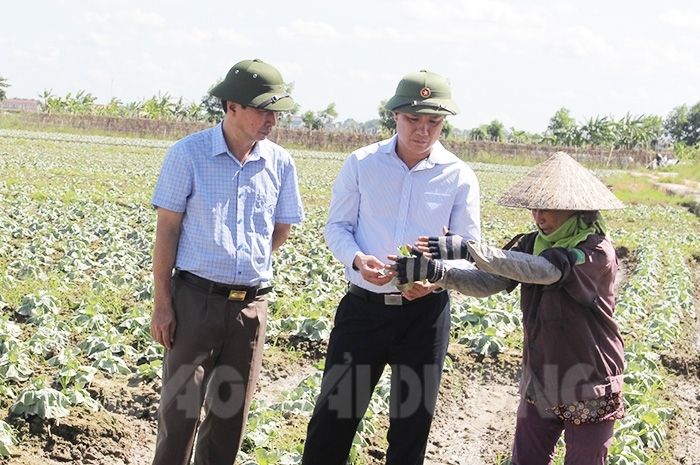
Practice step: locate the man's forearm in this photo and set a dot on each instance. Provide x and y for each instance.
(164, 254)
(163, 264)
(280, 235)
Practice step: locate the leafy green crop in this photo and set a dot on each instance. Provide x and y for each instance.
(76, 287)
(7, 439)
(40, 400)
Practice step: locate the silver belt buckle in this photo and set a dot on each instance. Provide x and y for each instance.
(393, 299)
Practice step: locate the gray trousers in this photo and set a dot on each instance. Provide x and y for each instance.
(215, 361)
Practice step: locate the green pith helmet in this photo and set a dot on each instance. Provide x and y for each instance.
(423, 93)
(255, 83)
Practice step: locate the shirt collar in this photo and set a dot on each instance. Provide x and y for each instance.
(438, 155)
(218, 143)
(219, 147)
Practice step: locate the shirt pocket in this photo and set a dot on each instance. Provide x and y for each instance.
(438, 204)
(264, 204)
(264, 214)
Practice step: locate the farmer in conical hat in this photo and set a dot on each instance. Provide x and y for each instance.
(572, 352)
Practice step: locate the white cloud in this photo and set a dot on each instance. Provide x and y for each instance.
(150, 67)
(584, 42)
(478, 11)
(232, 37)
(657, 54)
(119, 18)
(383, 34)
(308, 30)
(185, 37)
(681, 19)
(678, 56)
(92, 17)
(99, 75)
(371, 76)
(44, 55)
(473, 21)
(565, 53)
(290, 70)
(103, 39)
(565, 8)
(140, 17)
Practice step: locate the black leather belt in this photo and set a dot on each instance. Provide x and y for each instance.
(236, 293)
(393, 298)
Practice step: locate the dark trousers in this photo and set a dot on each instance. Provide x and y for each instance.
(216, 358)
(366, 337)
(536, 436)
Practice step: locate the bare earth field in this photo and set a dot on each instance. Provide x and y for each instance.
(475, 418)
(475, 415)
(473, 425)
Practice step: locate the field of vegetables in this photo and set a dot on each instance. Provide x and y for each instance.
(79, 374)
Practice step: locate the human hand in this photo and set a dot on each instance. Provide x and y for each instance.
(163, 324)
(418, 290)
(416, 267)
(372, 269)
(451, 246)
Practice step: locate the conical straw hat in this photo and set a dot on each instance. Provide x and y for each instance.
(560, 183)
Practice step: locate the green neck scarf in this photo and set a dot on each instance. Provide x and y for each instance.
(569, 234)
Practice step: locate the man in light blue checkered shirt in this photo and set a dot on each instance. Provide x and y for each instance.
(226, 198)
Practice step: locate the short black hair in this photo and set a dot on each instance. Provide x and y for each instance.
(225, 107)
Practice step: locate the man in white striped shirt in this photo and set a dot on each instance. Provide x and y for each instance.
(386, 195)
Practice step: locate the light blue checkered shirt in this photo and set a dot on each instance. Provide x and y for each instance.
(230, 209)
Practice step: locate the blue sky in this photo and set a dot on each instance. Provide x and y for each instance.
(515, 61)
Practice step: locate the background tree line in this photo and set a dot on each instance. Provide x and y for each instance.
(681, 128)
(3, 88)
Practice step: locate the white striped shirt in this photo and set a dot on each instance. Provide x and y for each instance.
(378, 204)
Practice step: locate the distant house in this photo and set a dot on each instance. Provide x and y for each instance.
(21, 104)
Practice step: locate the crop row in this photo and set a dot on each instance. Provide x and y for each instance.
(76, 288)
